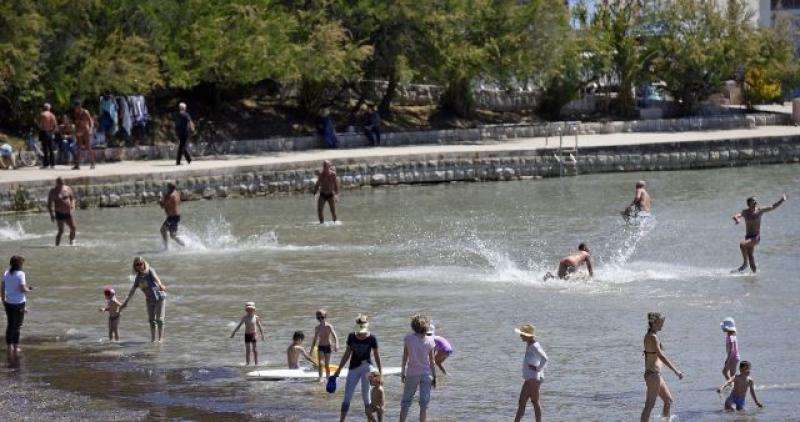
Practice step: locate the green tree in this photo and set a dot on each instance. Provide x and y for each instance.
(21, 33)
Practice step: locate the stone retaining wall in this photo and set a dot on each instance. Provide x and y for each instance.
(114, 191)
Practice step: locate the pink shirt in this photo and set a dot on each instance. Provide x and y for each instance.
(419, 352)
(732, 347)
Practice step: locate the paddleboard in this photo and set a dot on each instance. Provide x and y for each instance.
(303, 374)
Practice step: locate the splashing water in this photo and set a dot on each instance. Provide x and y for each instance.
(9, 232)
(217, 234)
(626, 240)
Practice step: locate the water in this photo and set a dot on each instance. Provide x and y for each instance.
(470, 255)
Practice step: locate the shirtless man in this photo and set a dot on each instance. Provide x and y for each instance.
(569, 264)
(752, 220)
(63, 199)
(640, 206)
(328, 187)
(84, 125)
(47, 129)
(171, 202)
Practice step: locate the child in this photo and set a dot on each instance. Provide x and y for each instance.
(443, 348)
(376, 406)
(113, 307)
(322, 339)
(741, 383)
(250, 321)
(731, 348)
(295, 349)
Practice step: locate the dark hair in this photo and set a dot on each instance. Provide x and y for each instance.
(652, 317)
(582, 246)
(751, 199)
(15, 264)
(744, 364)
(298, 335)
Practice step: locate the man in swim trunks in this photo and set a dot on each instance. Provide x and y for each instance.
(84, 126)
(752, 220)
(640, 206)
(328, 187)
(171, 202)
(569, 264)
(60, 203)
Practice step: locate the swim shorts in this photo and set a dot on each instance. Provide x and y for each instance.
(63, 216)
(249, 337)
(756, 237)
(171, 223)
(325, 350)
(326, 196)
(738, 401)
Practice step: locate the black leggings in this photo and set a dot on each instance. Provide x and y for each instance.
(183, 149)
(15, 314)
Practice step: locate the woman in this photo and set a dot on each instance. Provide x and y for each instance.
(359, 345)
(154, 292)
(12, 292)
(653, 359)
(532, 372)
(417, 369)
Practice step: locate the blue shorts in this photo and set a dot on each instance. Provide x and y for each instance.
(738, 401)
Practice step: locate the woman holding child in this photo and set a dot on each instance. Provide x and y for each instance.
(359, 345)
(155, 294)
(417, 369)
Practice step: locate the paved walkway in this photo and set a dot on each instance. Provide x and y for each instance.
(30, 174)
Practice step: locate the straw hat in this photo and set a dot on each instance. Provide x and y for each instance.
(362, 325)
(527, 330)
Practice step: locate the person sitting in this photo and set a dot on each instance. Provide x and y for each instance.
(7, 159)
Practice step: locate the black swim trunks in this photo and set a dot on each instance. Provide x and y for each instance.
(325, 350)
(63, 216)
(249, 337)
(324, 195)
(171, 223)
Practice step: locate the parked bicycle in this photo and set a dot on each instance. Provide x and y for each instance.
(30, 154)
(211, 140)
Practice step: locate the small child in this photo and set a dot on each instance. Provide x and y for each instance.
(295, 350)
(443, 348)
(322, 339)
(114, 308)
(251, 321)
(376, 405)
(741, 383)
(731, 348)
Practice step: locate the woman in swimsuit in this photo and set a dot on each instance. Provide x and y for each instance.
(654, 358)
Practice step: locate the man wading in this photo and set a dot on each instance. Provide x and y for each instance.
(63, 199)
(328, 188)
(171, 202)
(752, 237)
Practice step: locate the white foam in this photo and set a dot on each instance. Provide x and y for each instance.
(16, 231)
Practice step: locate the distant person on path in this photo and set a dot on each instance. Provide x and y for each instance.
(113, 307)
(752, 219)
(67, 132)
(171, 202)
(443, 348)
(251, 322)
(569, 264)
(731, 348)
(640, 206)
(328, 130)
(533, 365)
(295, 350)
(84, 125)
(654, 359)
(184, 126)
(155, 295)
(372, 128)
(741, 383)
(360, 343)
(47, 124)
(322, 339)
(417, 369)
(328, 187)
(60, 204)
(13, 293)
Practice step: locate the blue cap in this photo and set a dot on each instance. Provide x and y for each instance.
(331, 387)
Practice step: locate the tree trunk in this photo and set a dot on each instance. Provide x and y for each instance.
(458, 98)
(385, 107)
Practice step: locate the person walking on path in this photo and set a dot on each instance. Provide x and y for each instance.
(155, 294)
(373, 126)
(532, 372)
(171, 202)
(47, 124)
(13, 293)
(360, 343)
(184, 126)
(84, 125)
(417, 368)
(752, 237)
(654, 359)
(328, 187)
(60, 204)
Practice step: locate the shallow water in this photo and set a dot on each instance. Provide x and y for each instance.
(470, 255)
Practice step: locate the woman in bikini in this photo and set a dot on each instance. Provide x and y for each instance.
(654, 359)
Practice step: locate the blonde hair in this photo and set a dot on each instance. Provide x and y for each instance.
(377, 376)
(322, 313)
(420, 324)
(137, 260)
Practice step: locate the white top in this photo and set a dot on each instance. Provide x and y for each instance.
(14, 284)
(419, 352)
(534, 355)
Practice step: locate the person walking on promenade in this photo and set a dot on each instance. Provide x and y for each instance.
(640, 206)
(373, 126)
(532, 372)
(60, 204)
(13, 293)
(417, 368)
(84, 125)
(654, 359)
(47, 124)
(328, 187)
(155, 294)
(184, 127)
(171, 202)
(752, 237)
(360, 343)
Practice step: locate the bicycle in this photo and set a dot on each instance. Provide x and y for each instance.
(212, 141)
(30, 155)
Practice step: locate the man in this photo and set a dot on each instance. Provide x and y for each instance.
(84, 125)
(373, 126)
(752, 237)
(328, 187)
(171, 202)
(640, 206)
(64, 200)
(569, 264)
(184, 126)
(47, 128)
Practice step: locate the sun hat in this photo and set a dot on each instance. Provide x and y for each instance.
(728, 324)
(331, 386)
(250, 305)
(362, 328)
(527, 330)
(431, 330)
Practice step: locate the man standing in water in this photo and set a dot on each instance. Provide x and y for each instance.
(63, 200)
(752, 237)
(640, 206)
(328, 187)
(171, 202)
(569, 264)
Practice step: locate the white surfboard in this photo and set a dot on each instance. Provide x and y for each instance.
(303, 374)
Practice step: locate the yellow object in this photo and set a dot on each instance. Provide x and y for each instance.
(314, 354)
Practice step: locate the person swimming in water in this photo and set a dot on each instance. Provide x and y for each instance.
(569, 264)
(752, 237)
(640, 206)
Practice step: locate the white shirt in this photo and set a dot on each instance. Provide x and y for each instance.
(14, 284)
(534, 355)
(419, 352)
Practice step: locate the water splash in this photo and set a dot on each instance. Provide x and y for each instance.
(11, 232)
(625, 241)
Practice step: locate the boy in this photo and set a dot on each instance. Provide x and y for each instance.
(296, 349)
(113, 307)
(251, 321)
(741, 383)
(376, 406)
(569, 264)
(322, 339)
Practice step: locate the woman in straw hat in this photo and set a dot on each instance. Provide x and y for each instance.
(654, 358)
(359, 345)
(155, 295)
(532, 371)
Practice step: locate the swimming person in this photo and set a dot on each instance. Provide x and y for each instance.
(251, 321)
(60, 204)
(113, 307)
(359, 345)
(640, 206)
(171, 202)
(569, 264)
(328, 187)
(295, 350)
(155, 294)
(752, 237)
(741, 383)
(13, 292)
(731, 348)
(322, 339)
(417, 370)
(533, 365)
(654, 358)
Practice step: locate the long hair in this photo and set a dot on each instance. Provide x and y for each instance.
(137, 260)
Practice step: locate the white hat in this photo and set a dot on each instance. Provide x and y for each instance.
(250, 305)
(728, 324)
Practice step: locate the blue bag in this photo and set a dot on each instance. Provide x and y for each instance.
(331, 387)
